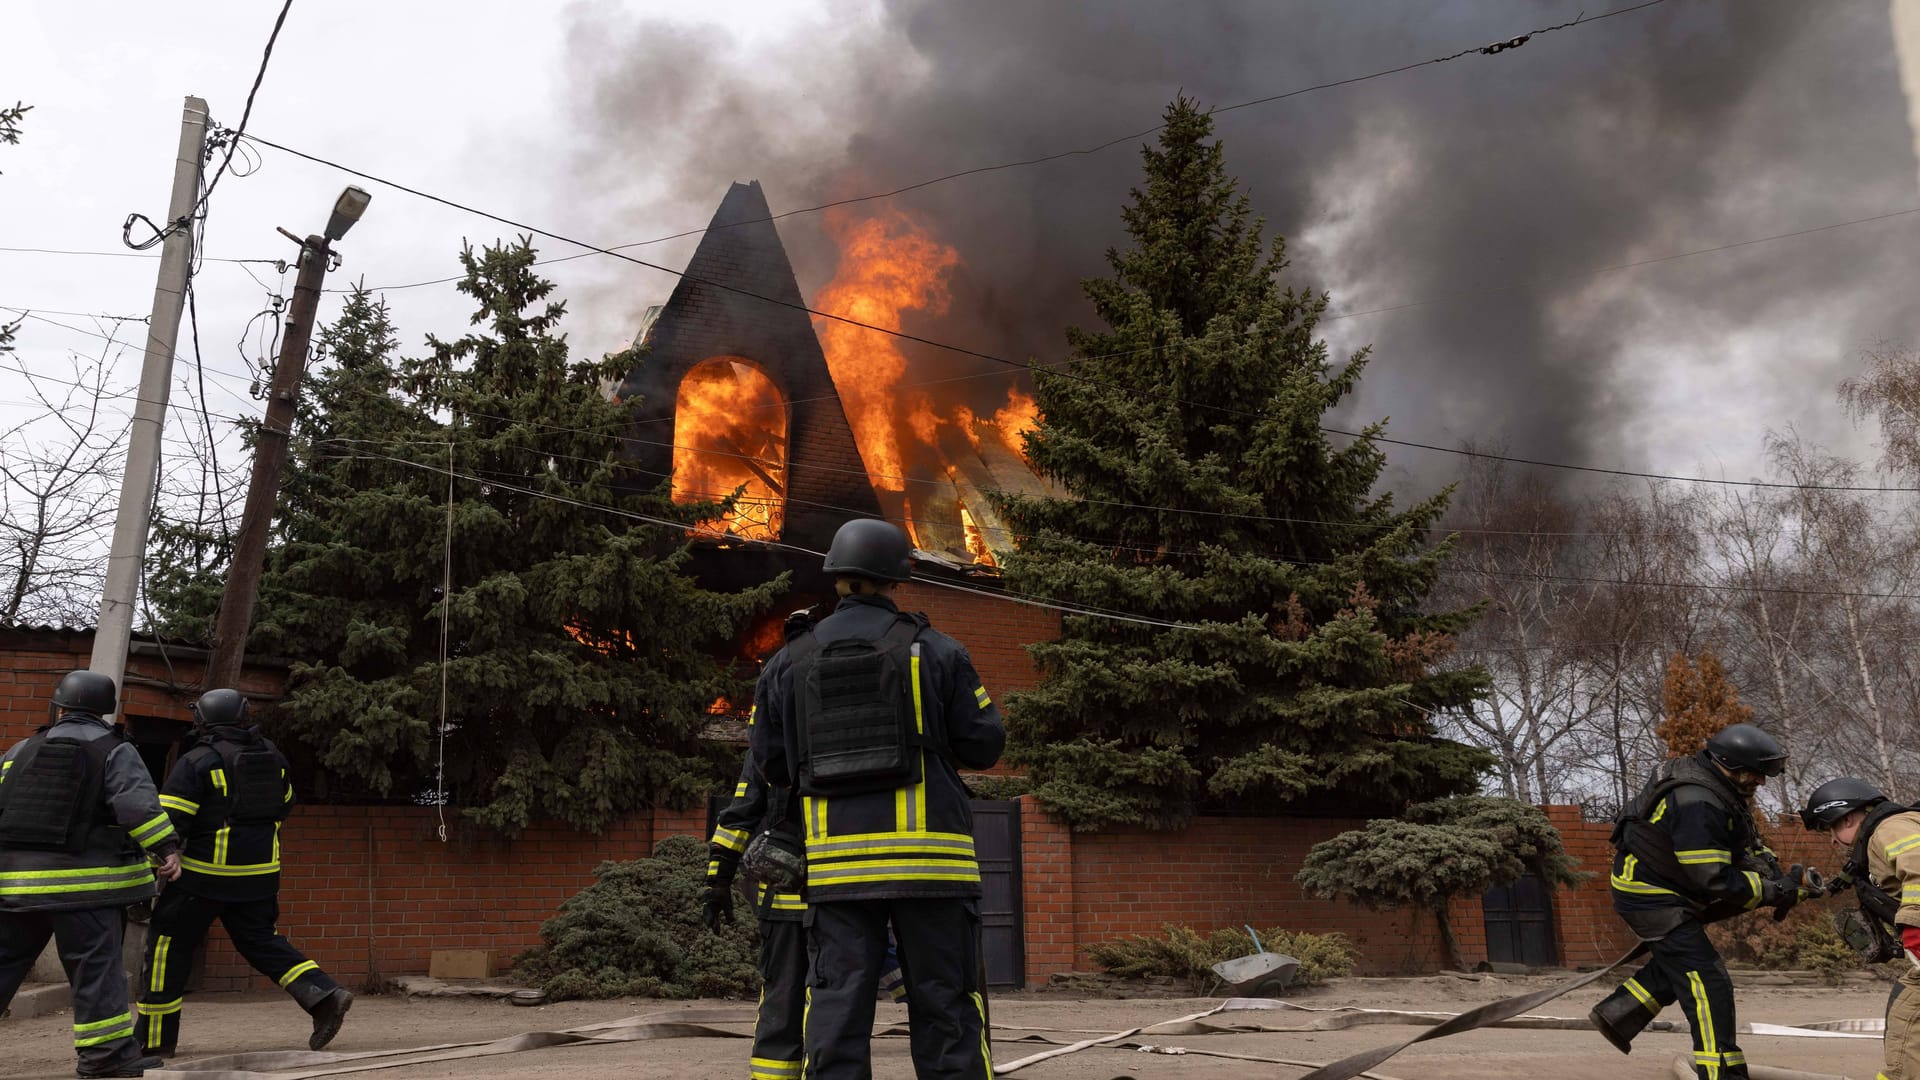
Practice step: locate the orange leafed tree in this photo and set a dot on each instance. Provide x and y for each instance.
(1699, 702)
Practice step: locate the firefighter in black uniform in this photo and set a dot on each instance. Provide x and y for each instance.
(1688, 855)
(79, 822)
(868, 716)
(228, 796)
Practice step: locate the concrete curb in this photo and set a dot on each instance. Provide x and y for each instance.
(44, 1000)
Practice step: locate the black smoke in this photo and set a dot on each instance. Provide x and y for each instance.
(1486, 191)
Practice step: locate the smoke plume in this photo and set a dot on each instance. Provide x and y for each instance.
(1477, 202)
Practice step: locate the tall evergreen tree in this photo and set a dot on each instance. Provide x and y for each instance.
(1204, 493)
(581, 657)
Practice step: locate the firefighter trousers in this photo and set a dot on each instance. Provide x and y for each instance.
(939, 944)
(1903, 1028)
(89, 942)
(1685, 967)
(180, 921)
(778, 1032)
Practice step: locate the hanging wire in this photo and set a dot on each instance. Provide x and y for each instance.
(446, 619)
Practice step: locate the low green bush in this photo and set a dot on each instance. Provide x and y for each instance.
(636, 932)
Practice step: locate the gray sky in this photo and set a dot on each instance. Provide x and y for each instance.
(1506, 179)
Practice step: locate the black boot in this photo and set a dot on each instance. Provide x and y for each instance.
(1620, 1017)
(135, 1067)
(328, 1015)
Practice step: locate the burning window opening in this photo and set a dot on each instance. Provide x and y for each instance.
(730, 435)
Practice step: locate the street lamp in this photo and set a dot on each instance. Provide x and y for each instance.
(347, 210)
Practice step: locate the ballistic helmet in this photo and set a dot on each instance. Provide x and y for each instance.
(870, 548)
(1743, 746)
(85, 692)
(221, 708)
(1836, 799)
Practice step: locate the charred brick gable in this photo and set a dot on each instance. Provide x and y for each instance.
(826, 479)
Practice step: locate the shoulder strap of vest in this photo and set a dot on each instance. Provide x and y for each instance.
(1874, 900)
(1652, 846)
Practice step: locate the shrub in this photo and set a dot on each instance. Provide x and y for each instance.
(636, 932)
(1183, 954)
(1806, 940)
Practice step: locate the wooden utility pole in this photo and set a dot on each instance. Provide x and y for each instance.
(269, 454)
(115, 629)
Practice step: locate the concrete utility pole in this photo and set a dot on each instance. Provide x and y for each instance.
(270, 448)
(115, 628)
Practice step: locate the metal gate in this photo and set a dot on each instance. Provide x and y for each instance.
(996, 843)
(1519, 919)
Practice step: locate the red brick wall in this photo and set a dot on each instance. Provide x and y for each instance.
(995, 631)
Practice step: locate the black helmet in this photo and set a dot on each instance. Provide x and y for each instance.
(1836, 799)
(221, 708)
(1743, 746)
(870, 548)
(85, 692)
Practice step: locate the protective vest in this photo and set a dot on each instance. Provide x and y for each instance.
(857, 713)
(53, 797)
(1635, 833)
(255, 785)
(1874, 900)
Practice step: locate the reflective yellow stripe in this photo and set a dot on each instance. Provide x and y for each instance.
(1659, 811)
(890, 870)
(222, 870)
(1901, 847)
(276, 843)
(164, 1008)
(298, 970)
(772, 1069)
(220, 839)
(1753, 882)
(731, 839)
(154, 831)
(220, 780)
(740, 790)
(162, 948)
(1633, 987)
(785, 901)
(1639, 888)
(986, 1035)
(103, 1031)
(1910, 891)
(1703, 856)
(11, 884)
(1703, 1030)
(814, 809)
(84, 871)
(175, 802)
(980, 695)
(753, 713)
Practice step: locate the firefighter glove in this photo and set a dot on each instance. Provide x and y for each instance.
(718, 905)
(1791, 889)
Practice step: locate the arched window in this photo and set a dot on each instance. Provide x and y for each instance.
(730, 434)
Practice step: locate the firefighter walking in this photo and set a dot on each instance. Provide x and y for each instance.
(227, 796)
(868, 716)
(1688, 854)
(79, 823)
(1883, 865)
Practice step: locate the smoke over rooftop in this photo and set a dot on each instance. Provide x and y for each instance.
(1474, 199)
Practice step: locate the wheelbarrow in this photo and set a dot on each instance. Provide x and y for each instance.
(1261, 974)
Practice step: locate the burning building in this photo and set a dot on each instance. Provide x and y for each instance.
(812, 421)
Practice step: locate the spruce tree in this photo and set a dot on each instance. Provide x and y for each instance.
(1202, 491)
(581, 656)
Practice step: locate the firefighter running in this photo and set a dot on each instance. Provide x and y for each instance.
(1883, 866)
(79, 823)
(1689, 854)
(228, 796)
(869, 715)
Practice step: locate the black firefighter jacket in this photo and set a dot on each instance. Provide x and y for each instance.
(913, 841)
(224, 859)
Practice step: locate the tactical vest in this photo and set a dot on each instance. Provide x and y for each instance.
(858, 711)
(256, 782)
(53, 797)
(1874, 900)
(1633, 833)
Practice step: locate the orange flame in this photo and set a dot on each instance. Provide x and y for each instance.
(1020, 415)
(730, 434)
(976, 540)
(889, 264)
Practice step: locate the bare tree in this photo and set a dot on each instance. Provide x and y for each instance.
(60, 473)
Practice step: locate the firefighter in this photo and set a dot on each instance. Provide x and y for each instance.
(79, 824)
(228, 795)
(868, 716)
(1883, 866)
(1688, 854)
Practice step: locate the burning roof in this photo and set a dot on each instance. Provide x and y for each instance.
(816, 423)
